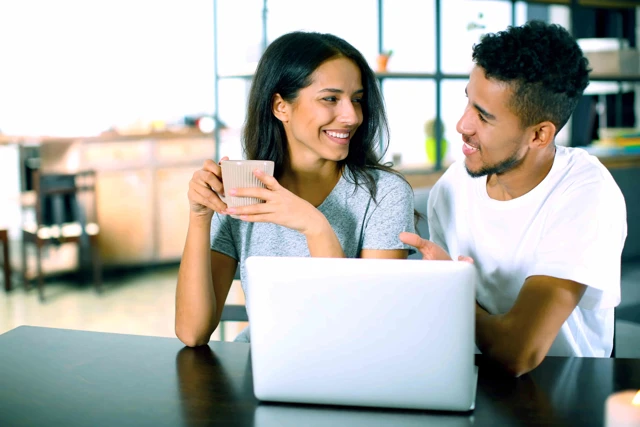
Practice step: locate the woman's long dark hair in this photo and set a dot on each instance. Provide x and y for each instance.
(286, 67)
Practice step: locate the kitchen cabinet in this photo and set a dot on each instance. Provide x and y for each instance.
(141, 189)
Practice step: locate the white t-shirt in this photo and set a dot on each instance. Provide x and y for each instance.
(571, 226)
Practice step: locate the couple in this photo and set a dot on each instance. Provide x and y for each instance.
(544, 224)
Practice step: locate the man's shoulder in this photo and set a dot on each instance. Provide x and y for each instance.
(582, 172)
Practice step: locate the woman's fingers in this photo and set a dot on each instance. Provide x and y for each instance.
(208, 179)
(270, 182)
(266, 194)
(211, 166)
(206, 197)
(255, 192)
(257, 209)
(268, 217)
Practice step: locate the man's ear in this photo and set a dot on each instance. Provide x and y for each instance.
(543, 135)
(280, 108)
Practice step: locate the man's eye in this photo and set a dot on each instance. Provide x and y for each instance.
(482, 119)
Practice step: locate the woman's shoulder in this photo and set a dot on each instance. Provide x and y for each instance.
(390, 179)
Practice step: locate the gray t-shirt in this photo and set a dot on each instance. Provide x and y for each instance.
(358, 221)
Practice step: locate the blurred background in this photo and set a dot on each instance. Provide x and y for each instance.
(107, 108)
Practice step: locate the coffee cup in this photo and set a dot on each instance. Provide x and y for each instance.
(239, 174)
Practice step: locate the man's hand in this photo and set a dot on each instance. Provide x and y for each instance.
(428, 249)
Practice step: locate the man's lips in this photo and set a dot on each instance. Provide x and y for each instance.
(467, 141)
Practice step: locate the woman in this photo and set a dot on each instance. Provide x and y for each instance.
(315, 110)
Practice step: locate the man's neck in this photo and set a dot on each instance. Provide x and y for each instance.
(523, 178)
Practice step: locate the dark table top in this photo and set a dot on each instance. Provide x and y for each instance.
(74, 378)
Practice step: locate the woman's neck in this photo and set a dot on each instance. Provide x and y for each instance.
(312, 184)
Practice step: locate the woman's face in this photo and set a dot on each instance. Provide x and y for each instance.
(326, 114)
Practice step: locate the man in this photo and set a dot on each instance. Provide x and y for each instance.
(544, 224)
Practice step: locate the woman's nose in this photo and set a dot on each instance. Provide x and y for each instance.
(349, 114)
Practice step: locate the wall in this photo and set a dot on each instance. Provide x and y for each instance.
(9, 190)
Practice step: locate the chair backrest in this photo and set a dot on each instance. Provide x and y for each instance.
(62, 198)
(58, 197)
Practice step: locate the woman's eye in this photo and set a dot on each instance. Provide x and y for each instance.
(330, 99)
(357, 100)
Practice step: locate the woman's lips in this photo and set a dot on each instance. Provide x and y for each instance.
(339, 137)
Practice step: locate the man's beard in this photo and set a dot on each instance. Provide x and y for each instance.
(504, 166)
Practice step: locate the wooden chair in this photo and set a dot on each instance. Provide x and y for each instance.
(232, 313)
(6, 265)
(65, 212)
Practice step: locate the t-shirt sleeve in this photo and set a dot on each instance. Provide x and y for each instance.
(392, 214)
(582, 241)
(222, 236)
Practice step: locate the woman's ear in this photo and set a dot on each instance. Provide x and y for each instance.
(280, 108)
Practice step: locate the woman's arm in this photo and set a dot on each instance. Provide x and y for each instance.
(205, 277)
(387, 253)
(204, 280)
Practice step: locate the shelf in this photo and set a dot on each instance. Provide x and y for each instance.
(445, 76)
(592, 3)
(386, 75)
(405, 75)
(248, 76)
(618, 78)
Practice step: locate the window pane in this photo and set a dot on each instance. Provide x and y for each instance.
(73, 67)
(409, 30)
(410, 104)
(356, 21)
(232, 102)
(557, 14)
(452, 107)
(463, 22)
(239, 31)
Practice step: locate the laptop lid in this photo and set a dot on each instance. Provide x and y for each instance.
(364, 332)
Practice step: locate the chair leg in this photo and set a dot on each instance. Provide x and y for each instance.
(39, 266)
(25, 282)
(97, 264)
(6, 265)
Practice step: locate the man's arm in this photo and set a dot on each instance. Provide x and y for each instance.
(520, 339)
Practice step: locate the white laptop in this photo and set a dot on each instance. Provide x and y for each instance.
(363, 332)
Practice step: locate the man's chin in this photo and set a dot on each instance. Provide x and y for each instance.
(475, 173)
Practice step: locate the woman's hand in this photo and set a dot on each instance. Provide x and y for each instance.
(281, 207)
(204, 187)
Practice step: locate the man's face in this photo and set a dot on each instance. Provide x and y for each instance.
(493, 140)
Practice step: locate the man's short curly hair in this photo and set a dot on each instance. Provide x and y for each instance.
(544, 66)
